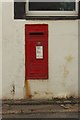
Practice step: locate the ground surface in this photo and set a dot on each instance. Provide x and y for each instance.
(42, 115)
(40, 110)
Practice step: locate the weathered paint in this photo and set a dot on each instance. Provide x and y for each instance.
(63, 59)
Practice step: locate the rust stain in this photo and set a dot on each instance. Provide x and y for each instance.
(27, 90)
(66, 72)
(69, 58)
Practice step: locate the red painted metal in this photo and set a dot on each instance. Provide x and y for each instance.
(36, 58)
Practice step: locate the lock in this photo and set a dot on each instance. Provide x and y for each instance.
(38, 43)
(36, 51)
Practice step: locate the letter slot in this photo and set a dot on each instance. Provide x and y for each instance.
(36, 33)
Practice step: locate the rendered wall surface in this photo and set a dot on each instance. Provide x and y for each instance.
(0, 51)
(62, 55)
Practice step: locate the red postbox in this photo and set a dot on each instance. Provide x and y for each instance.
(36, 51)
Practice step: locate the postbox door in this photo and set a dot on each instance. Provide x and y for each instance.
(36, 51)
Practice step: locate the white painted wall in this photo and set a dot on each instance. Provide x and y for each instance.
(0, 51)
(63, 58)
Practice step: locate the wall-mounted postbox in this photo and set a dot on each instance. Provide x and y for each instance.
(36, 51)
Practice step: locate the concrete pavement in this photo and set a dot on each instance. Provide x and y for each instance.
(40, 108)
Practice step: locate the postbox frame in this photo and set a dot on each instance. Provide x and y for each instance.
(41, 62)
